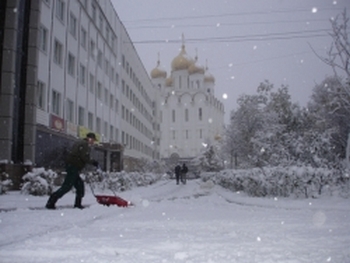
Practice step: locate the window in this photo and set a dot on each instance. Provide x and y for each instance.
(40, 95)
(106, 66)
(117, 79)
(43, 38)
(127, 115)
(105, 129)
(70, 111)
(186, 114)
(82, 75)
(200, 134)
(90, 121)
(111, 132)
(92, 49)
(123, 61)
(83, 35)
(99, 58)
(174, 135)
(58, 51)
(116, 105)
(60, 5)
(71, 65)
(187, 134)
(92, 83)
(93, 12)
(116, 135)
(101, 23)
(200, 114)
(98, 125)
(81, 115)
(106, 96)
(112, 74)
(73, 25)
(107, 34)
(173, 115)
(112, 42)
(56, 102)
(111, 101)
(99, 90)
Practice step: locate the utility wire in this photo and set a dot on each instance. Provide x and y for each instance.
(226, 15)
(243, 38)
(225, 24)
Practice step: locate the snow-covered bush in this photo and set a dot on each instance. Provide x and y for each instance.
(38, 182)
(120, 181)
(5, 183)
(298, 182)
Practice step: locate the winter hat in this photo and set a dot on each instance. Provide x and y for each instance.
(91, 135)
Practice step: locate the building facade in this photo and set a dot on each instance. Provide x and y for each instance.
(69, 67)
(191, 116)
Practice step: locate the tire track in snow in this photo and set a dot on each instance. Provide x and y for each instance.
(57, 228)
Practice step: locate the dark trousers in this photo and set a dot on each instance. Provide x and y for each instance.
(177, 175)
(183, 177)
(72, 179)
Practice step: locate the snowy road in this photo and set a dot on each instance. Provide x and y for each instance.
(197, 222)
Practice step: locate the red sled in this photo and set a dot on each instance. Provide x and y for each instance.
(112, 200)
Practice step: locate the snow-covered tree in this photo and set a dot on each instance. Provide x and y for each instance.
(338, 55)
(244, 123)
(330, 114)
(264, 127)
(208, 160)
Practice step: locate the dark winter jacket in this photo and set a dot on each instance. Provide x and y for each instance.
(184, 169)
(177, 169)
(79, 155)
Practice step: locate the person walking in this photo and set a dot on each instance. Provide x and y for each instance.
(177, 173)
(75, 161)
(184, 171)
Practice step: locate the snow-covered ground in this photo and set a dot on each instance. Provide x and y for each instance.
(197, 222)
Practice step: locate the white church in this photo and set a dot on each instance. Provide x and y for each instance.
(191, 117)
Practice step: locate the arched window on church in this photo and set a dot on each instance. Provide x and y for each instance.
(186, 114)
(198, 84)
(200, 116)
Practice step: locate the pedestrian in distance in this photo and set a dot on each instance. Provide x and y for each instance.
(184, 171)
(75, 161)
(177, 173)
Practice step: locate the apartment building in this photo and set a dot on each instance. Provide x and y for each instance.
(69, 67)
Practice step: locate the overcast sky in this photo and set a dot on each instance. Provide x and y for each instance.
(244, 42)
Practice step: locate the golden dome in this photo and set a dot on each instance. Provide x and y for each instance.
(181, 61)
(158, 72)
(208, 77)
(169, 82)
(195, 68)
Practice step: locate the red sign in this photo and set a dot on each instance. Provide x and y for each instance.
(57, 123)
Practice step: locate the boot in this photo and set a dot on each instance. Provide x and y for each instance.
(51, 202)
(77, 203)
